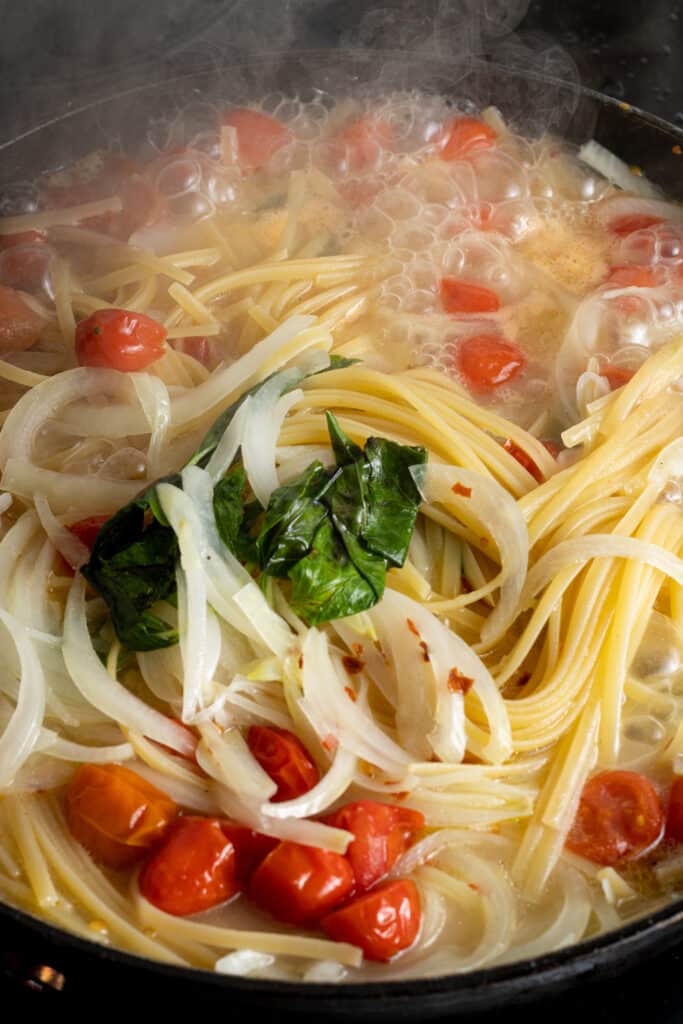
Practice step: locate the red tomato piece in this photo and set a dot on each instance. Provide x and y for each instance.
(459, 296)
(631, 222)
(198, 348)
(524, 459)
(554, 447)
(674, 814)
(464, 135)
(87, 529)
(488, 360)
(630, 275)
(259, 136)
(141, 204)
(116, 814)
(193, 870)
(382, 922)
(119, 339)
(619, 817)
(616, 376)
(20, 326)
(284, 757)
(382, 833)
(21, 238)
(250, 848)
(25, 266)
(361, 143)
(299, 884)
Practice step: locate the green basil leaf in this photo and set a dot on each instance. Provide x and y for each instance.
(325, 583)
(393, 498)
(292, 518)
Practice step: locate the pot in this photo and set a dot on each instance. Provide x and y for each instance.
(38, 955)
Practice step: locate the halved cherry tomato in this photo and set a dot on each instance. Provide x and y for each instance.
(87, 529)
(459, 296)
(119, 339)
(21, 238)
(524, 459)
(488, 360)
(631, 222)
(198, 348)
(250, 848)
(285, 758)
(20, 326)
(382, 922)
(619, 816)
(116, 814)
(360, 143)
(259, 136)
(630, 275)
(382, 833)
(464, 135)
(193, 870)
(25, 266)
(674, 814)
(299, 884)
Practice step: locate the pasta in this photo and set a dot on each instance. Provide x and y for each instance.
(341, 535)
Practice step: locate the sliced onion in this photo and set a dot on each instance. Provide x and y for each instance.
(156, 404)
(23, 729)
(615, 170)
(66, 750)
(499, 514)
(227, 758)
(310, 833)
(243, 962)
(229, 444)
(107, 694)
(262, 426)
(67, 543)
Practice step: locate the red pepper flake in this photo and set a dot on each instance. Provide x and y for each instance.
(402, 795)
(330, 743)
(464, 492)
(412, 627)
(458, 683)
(352, 665)
(524, 459)
(474, 887)
(554, 447)
(484, 541)
(357, 649)
(523, 679)
(301, 661)
(425, 651)
(351, 694)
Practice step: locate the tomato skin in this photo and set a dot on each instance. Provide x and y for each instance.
(21, 238)
(20, 326)
(382, 922)
(360, 143)
(25, 266)
(119, 339)
(259, 136)
(283, 756)
(116, 814)
(674, 814)
(619, 816)
(299, 884)
(464, 135)
(250, 848)
(193, 870)
(630, 275)
(459, 296)
(382, 833)
(632, 222)
(616, 376)
(488, 360)
(524, 459)
(87, 529)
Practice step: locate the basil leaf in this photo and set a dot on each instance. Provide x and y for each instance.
(325, 583)
(345, 450)
(393, 498)
(292, 518)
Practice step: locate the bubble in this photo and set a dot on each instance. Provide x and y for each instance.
(191, 206)
(645, 729)
(398, 204)
(125, 464)
(178, 177)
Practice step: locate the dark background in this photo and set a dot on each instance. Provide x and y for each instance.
(57, 55)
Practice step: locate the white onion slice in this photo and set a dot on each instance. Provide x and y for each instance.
(67, 543)
(333, 784)
(107, 694)
(23, 729)
(262, 425)
(156, 404)
(615, 170)
(297, 830)
(227, 758)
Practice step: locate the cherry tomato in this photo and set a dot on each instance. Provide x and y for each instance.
(198, 348)
(20, 326)
(382, 922)
(674, 814)
(119, 339)
(619, 816)
(21, 238)
(87, 529)
(193, 870)
(524, 459)
(25, 266)
(630, 275)
(360, 144)
(115, 814)
(487, 360)
(284, 757)
(616, 376)
(250, 848)
(382, 833)
(464, 135)
(631, 222)
(298, 884)
(467, 297)
(259, 136)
